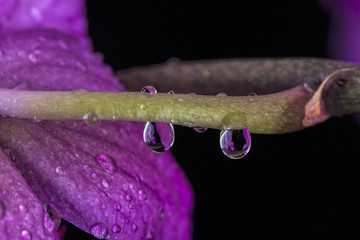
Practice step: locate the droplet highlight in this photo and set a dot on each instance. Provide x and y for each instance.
(142, 195)
(200, 129)
(26, 235)
(106, 162)
(235, 144)
(23, 208)
(134, 227)
(91, 119)
(99, 230)
(117, 206)
(59, 171)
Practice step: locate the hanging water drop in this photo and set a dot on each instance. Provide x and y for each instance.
(235, 144)
(200, 129)
(91, 118)
(99, 230)
(159, 137)
(105, 183)
(106, 162)
(59, 171)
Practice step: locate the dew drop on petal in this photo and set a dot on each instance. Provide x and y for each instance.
(117, 206)
(106, 162)
(171, 92)
(252, 94)
(235, 144)
(2, 209)
(131, 206)
(159, 137)
(134, 227)
(115, 228)
(91, 119)
(142, 195)
(26, 235)
(59, 171)
(128, 197)
(86, 167)
(23, 208)
(94, 176)
(105, 183)
(79, 91)
(149, 235)
(149, 89)
(99, 230)
(200, 129)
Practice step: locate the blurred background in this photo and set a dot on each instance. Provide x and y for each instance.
(294, 186)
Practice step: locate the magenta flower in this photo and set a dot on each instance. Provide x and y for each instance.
(101, 178)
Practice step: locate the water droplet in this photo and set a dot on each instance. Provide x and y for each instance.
(171, 92)
(94, 176)
(99, 230)
(2, 209)
(79, 91)
(26, 235)
(32, 57)
(105, 183)
(51, 218)
(149, 235)
(134, 227)
(235, 144)
(149, 89)
(117, 206)
(131, 206)
(142, 195)
(128, 197)
(221, 95)
(200, 129)
(23, 208)
(106, 162)
(115, 228)
(252, 94)
(87, 168)
(159, 137)
(59, 171)
(91, 118)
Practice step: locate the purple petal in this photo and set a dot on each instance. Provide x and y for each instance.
(65, 15)
(22, 215)
(102, 178)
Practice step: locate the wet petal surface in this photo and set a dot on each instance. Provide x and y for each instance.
(22, 215)
(101, 178)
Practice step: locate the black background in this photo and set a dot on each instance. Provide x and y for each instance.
(295, 186)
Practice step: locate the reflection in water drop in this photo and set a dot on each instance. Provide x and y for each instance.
(235, 144)
(134, 227)
(91, 118)
(159, 137)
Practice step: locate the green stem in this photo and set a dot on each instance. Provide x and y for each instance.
(274, 113)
